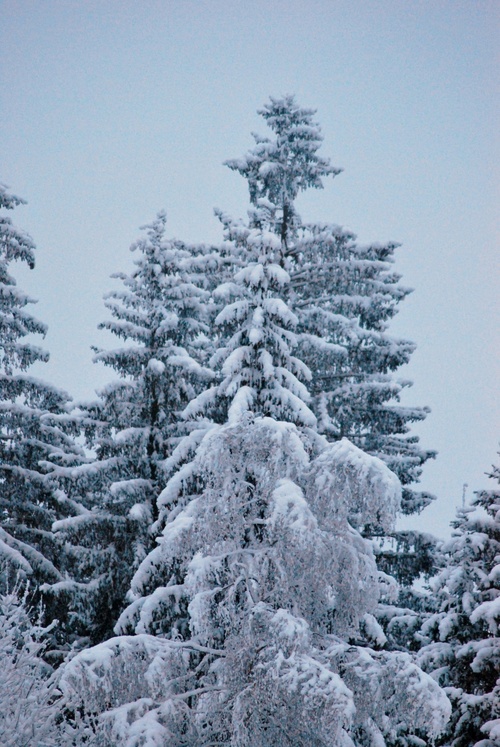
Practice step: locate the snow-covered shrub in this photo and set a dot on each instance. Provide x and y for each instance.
(28, 687)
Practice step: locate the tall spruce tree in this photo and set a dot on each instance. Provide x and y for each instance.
(461, 640)
(344, 295)
(36, 430)
(134, 425)
(246, 619)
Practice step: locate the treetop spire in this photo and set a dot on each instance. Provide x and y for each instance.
(278, 169)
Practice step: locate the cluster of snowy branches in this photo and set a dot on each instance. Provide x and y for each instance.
(214, 534)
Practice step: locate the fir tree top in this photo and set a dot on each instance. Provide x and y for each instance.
(278, 169)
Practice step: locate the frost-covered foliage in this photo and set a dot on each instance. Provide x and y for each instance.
(247, 616)
(28, 693)
(134, 425)
(408, 554)
(346, 295)
(343, 295)
(462, 639)
(258, 371)
(278, 169)
(36, 430)
(252, 622)
(409, 561)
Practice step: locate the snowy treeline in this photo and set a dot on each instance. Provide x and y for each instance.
(205, 554)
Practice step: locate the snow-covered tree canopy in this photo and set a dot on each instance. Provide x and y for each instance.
(216, 526)
(259, 372)
(343, 296)
(246, 613)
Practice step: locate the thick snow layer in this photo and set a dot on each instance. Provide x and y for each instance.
(290, 508)
(156, 366)
(373, 630)
(348, 483)
(490, 613)
(14, 556)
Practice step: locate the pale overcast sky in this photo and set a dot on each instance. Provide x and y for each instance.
(113, 110)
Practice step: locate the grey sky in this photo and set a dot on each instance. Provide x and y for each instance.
(113, 110)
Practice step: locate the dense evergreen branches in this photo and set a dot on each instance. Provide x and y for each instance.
(36, 429)
(209, 551)
(134, 425)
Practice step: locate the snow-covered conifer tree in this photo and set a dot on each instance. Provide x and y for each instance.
(161, 314)
(344, 295)
(462, 639)
(36, 430)
(134, 425)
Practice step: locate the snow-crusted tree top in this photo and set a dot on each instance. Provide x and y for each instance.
(278, 169)
(163, 292)
(159, 312)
